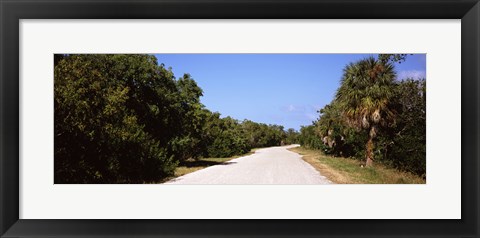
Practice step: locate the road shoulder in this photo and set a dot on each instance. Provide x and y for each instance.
(349, 171)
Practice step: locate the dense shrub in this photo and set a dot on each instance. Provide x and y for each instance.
(406, 141)
(291, 136)
(263, 135)
(309, 138)
(114, 117)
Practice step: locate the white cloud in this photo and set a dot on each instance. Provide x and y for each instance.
(414, 74)
(293, 108)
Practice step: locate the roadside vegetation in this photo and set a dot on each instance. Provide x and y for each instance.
(127, 119)
(374, 118)
(347, 171)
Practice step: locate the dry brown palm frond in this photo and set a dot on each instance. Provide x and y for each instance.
(365, 122)
(376, 116)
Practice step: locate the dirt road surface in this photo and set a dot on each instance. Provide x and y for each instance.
(273, 165)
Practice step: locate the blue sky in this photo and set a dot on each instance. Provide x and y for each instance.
(283, 89)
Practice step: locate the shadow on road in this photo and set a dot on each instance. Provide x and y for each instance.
(203, 163)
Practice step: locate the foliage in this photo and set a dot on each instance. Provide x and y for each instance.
(406, 147)
(225, 137)
(291, 136)
(365, 96)
(114, 116)
(345, 125)
(309, 138)
(263, 135)
(187, 139)
(347, 171)
(393, 58)
(126, 119)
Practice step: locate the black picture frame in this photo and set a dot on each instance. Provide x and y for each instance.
(12, 11)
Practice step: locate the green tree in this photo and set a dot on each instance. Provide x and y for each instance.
(253, 133)
(365, 95)
(187, 143)
(406, 145)
(226, 137)
(330, 126)
(291, 136)
(393, 58)
(308, 138)
(114, 117)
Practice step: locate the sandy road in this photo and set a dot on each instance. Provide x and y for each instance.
(274, 165)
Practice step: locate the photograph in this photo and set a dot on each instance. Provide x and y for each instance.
(240, 118)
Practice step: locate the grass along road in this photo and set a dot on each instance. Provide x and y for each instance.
(349, 171)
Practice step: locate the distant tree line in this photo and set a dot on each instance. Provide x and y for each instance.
(126, 119)
(374, 117)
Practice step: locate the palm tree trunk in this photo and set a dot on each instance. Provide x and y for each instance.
(369, 154)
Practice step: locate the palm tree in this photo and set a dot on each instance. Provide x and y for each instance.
(364, 97)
